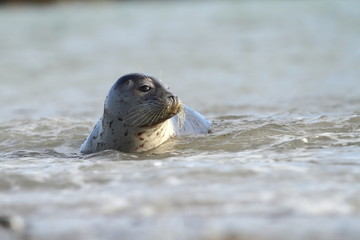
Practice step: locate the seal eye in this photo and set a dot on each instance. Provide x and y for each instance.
(144, 88)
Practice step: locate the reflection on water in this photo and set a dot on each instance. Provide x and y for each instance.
(279, 80)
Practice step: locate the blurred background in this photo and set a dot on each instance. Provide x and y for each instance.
(224, 57)
(52, 1)
(279, 79)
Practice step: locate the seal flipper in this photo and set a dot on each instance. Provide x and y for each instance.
(89, 145)
(194, 123)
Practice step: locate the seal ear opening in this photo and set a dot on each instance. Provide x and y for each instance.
(122, 82)
(129, 83)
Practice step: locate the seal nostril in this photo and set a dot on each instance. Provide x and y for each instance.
(173, 98)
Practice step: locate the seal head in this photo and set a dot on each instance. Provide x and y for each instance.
(141, 101)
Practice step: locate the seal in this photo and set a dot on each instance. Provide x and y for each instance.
(140, 113)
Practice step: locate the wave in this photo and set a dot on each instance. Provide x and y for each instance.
(61, 138)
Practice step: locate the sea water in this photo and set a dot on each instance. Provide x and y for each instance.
(280, 81)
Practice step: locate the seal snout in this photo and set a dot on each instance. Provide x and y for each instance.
(175, 105)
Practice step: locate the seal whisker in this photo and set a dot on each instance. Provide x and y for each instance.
(157, 115)
(139, 109)
(139, 118)
(145, 116)
(153, 115)
(135, 113)
(134, 116)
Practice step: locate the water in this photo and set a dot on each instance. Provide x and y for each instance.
(279, 80)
